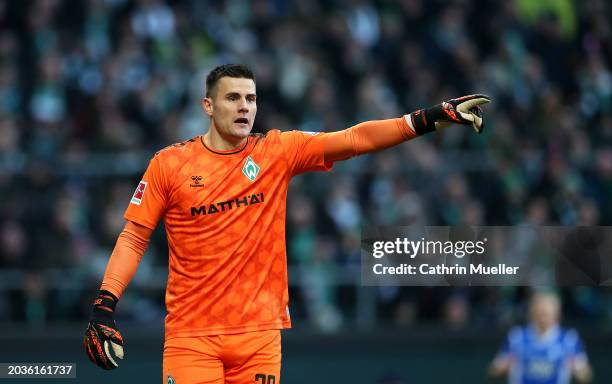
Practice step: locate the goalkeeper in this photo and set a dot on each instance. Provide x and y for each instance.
(222, 197)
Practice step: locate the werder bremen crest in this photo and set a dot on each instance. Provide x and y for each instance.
(170, 380)
(250, 169)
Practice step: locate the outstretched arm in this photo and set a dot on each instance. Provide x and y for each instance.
(376, 135)
(315, 151)
(367, 137)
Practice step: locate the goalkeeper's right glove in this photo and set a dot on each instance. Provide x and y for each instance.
(463, 110)
(103, 342)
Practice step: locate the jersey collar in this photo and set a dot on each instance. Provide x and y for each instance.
(225, 153)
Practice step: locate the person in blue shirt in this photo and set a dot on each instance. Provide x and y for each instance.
(542, 352)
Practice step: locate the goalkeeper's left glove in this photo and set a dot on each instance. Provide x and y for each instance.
(103, 342)
(463, 110)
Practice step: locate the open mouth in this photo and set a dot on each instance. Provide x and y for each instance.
(241, 120)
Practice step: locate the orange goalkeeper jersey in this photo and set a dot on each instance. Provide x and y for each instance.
(224, 214)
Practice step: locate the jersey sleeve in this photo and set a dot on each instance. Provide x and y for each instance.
(511, 344)
(318, 151)
(305, 151)
(150, 198)
(574, 344)
(129, 249)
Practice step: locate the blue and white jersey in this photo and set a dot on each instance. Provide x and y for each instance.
(542, 359)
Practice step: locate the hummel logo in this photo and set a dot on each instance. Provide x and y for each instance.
(196, 181)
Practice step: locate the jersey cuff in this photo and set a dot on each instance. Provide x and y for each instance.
(141, 221)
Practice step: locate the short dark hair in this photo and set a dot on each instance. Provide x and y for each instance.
(230, 70)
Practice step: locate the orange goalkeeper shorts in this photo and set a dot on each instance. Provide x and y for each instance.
(244, 358)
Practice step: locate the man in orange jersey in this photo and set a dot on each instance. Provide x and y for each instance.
(222, 197)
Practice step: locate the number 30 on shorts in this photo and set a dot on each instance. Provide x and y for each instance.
(263, 379)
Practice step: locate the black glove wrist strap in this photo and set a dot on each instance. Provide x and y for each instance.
(424, 120)
(104, 307)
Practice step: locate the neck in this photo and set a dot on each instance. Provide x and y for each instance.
(543, 329)
(215, 141)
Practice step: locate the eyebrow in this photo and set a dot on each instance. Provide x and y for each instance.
(238, 94)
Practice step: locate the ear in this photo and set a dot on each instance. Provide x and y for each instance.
(207, 106)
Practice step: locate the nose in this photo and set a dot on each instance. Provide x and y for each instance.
(243, 106)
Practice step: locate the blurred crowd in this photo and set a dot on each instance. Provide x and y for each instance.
(90, 90)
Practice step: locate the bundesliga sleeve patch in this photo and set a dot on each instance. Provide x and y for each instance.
(139, 193)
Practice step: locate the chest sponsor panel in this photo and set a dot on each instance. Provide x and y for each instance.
(237, 186)
(227, 205)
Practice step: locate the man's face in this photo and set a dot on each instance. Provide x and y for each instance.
(232, 107)
(545, 311)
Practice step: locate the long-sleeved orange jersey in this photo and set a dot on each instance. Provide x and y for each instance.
(224, 214)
